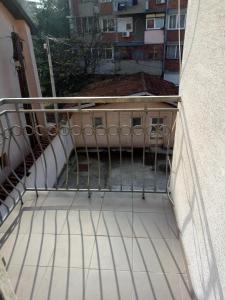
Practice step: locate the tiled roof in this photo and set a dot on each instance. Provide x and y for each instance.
(126, 85)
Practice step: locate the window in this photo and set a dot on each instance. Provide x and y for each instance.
(105, 1)
(108, 53)
(154, 23)
(98, 123)
(136, 122)
(172, 51)
(89, 24)
(108, 25)
(157, 126)
(176, 22)
(160, 1)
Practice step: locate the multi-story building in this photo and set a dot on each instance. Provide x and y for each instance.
(138, 35)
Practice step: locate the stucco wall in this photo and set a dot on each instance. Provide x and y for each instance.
(198, 181)
(9, 83)
(113, 120)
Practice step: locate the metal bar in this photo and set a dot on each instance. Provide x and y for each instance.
(132, 152)
(122, 99)
(87, 155)
(94, 190)
(120, 147)
(156, 153)
(75, 110)
(64, 150)
(97, 148)
(75, 150)
(36, 129)
(143, 157)
(109, 151)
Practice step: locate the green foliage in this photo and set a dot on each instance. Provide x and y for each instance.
(73, 58)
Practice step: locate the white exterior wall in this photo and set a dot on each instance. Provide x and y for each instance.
(198, 180)
(46, 173)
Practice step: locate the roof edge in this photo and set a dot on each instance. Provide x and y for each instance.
(19, 13)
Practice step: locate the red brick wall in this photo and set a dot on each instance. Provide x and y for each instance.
(147, 51)
(152, 5)
(172, 35)
(174, 3)
(106, 8)
(172, 65)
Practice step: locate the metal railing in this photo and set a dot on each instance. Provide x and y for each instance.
(87, 144)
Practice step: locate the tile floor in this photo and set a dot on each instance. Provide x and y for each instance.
(112, 246)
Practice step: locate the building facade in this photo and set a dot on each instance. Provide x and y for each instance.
(138, 35)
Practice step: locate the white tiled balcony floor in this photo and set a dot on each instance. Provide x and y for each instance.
(112, 246)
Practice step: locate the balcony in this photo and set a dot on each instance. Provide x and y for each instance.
(155, 36)
(88, 215)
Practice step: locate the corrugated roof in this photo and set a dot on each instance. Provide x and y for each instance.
(126, 85)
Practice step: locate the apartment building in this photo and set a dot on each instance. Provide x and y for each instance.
(138, 35)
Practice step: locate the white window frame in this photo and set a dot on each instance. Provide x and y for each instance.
(105, 1)
(154, 18)
(108, 19)
(153, 133)
(177, 21)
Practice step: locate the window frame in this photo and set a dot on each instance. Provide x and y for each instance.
(154, 18)
(177, 22)
(98, 126)
(153, 132)
(137, 125)
(176, 51)
(108, 20)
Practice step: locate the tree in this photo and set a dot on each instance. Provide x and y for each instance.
(74, 58)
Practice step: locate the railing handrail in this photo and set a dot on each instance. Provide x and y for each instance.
(101, 100)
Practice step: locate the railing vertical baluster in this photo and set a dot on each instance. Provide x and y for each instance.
(64, 149)
(87, 155)
(9, 160)
(144, 128)
(156, 153)
(37, 135)
(97, 148)
(48, 134)
(132, 152)
(120, 148)
(77, 158)
(109, 151)
(26, 139)
(70, 133)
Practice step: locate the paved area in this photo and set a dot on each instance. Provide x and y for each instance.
(112, 246)
(125, 175)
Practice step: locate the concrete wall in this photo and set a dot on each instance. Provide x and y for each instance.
(130, 66)
(198, 181)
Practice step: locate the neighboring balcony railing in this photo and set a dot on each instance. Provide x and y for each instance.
(86, 144)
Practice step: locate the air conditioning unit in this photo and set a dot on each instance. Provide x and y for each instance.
(126, 34)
